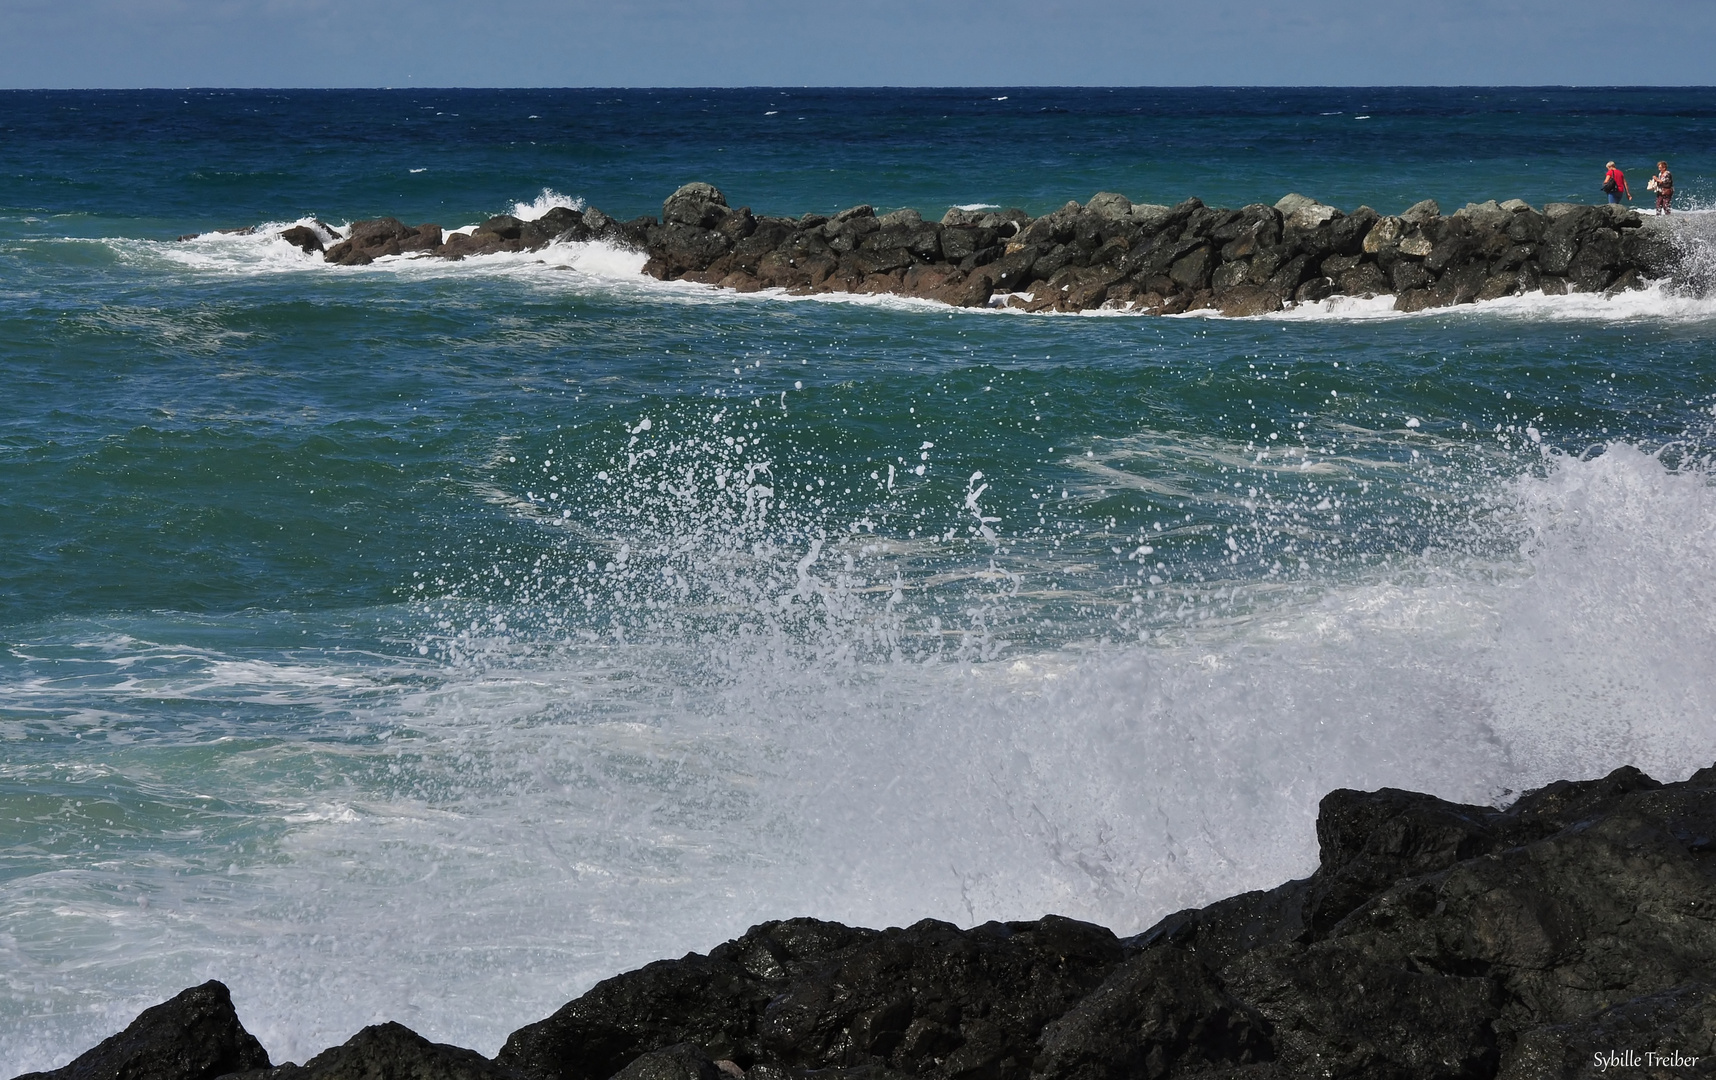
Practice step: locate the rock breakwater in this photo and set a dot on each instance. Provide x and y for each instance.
(1434, 940)
(1108, 253)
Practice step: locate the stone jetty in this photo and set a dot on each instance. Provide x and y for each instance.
(1434, 940)
(1108, 253)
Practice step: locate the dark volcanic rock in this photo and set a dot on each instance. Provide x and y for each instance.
(710, 1001)
(1369, 840)
(1244, 300)
(303, 237)
(1162, 1011)
(681, 1061)
(677, 249)
(504, 226)
(927, 1000)
(195, 1036)
(932, 1000)
(1435, 939)
(370, 240)
(559, 223)
(392, 1052)
(462, 245)
(1109, 253)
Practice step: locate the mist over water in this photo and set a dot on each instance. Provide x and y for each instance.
(428, 641)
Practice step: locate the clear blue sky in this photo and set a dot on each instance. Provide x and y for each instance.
(335, 43)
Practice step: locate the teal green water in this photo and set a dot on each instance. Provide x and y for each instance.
(427, 641)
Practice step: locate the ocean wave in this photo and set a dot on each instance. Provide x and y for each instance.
(540, 807)
(1658, 302)
(547, 200)
(261, 252)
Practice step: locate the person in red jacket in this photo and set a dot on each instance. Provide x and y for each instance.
(1615, 184)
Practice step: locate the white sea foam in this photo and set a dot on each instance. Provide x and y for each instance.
(546, 201)
(464, 841)
(1659, 302)
(261, 252)
(548, 808)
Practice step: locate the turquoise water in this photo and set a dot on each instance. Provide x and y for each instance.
(426, 641)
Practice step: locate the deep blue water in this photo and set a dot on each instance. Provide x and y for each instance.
(427, 641)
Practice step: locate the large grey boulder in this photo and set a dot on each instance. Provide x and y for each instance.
(1421, 212)
(1109, 204)
(695, 203)
(1303, 213)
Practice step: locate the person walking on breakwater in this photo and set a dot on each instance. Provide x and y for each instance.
(1615, 184)
(1663, 184)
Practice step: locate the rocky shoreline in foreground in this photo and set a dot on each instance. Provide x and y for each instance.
(1108, 253)
(1571, 933)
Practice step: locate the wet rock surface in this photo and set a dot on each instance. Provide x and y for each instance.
(194, 1036)
(1434, 940)
(1109, 253)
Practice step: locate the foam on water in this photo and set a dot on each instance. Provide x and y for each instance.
(544, 202)
(550, 801)
(1660, 301)
(261, 252)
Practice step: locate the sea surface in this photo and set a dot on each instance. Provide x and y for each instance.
(428, 641)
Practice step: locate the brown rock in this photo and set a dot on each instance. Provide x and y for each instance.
(371, 240)
(877, 284)
(1414, 300)
(779, 269)
(462, 245)
(1043, 298)
(1122, 294)
(304, 238)
(1242, 301)
(739, 281)
(973, 291)
(927, 282)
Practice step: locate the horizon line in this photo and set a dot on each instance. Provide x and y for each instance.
(876, 86)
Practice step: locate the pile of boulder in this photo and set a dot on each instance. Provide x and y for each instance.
(1435, 940)
(1112, 253)
(1107, 253)
(366, 241)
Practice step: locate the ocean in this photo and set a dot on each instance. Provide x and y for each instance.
(428, 641)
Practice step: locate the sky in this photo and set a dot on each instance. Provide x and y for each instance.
(398, 43)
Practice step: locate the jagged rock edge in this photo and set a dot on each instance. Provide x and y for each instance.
(1435, 939)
